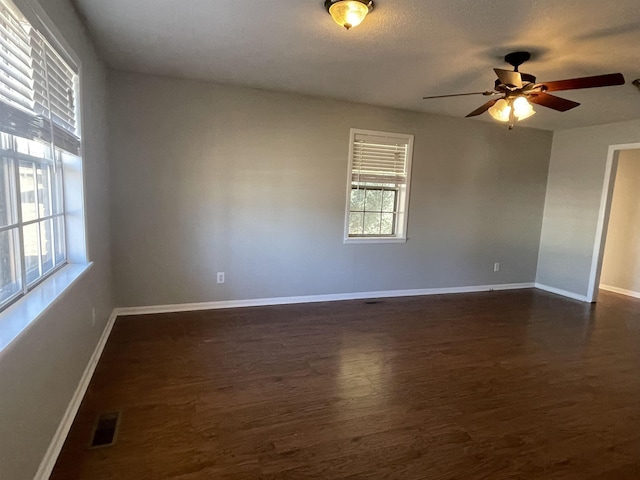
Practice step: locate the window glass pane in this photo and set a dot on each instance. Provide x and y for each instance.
(6, 141)
(373, 201)
(372, 223)
(377, 204)
(31, 252)
(7, 193)
(10, 278)
(357, 199)
(355, 223)
(389, 201)
(386, 224)
(33, 148)
(67, 157)
(43, 176)
(58, 236)
(46, 245)
(28, 191)
(56, 190)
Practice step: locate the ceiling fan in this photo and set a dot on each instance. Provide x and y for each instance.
(519, 90)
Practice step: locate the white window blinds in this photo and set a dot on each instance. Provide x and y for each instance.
(379, 159)
(37, 86)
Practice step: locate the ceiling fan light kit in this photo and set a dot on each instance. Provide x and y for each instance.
(348, 13)
(519, 90)
(507, 108)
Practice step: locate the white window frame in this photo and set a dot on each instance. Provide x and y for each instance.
(400, 230)
(18, 316)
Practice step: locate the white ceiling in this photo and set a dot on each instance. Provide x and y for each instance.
(404, 50)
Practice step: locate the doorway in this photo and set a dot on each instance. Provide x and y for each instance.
(616, 255)
(621, 262)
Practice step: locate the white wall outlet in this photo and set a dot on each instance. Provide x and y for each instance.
(220, 277)
(93, 316)
(496, 267)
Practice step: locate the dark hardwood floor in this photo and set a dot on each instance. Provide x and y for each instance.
(501, 385)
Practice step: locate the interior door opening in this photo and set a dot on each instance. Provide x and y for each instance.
(616, 258)
(620, 271)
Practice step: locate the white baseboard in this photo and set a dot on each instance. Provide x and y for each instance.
(49, 459)
(260, 302)
(621, 291)
(564, 293)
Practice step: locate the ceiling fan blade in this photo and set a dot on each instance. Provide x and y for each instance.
(483, 108)
(584, 82)
(553, 102)
(507, 77)
(486, 93)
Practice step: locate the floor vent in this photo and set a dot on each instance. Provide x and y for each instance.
(104, 433)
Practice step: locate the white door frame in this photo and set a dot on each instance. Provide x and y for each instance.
(603, 216)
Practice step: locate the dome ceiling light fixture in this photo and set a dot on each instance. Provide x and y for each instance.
(348, 13)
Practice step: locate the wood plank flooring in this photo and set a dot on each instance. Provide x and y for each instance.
(501, 385)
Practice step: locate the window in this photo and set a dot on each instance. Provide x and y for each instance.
(38, 136)
(378, 187)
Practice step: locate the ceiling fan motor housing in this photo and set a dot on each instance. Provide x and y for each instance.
(526, 80)
(515, 59)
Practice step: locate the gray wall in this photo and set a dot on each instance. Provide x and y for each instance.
(621, 264)
(574, 190)
(210, 178)
(40, 371)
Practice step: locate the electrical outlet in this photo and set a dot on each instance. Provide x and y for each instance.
(220, 277)
(496, 267)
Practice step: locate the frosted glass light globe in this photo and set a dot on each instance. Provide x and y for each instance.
(522, 108)
(348, 13)
(501, 110)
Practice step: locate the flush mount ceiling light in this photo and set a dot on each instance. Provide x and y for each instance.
(348, 13)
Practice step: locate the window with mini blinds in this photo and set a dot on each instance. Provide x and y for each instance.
(378, 187)
(38, 134)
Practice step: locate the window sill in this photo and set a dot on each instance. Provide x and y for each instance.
(374, 240)
(23, 313)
